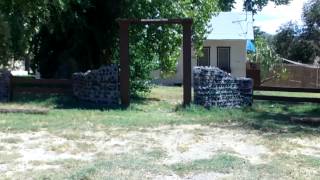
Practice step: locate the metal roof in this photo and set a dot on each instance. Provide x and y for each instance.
(231, 26)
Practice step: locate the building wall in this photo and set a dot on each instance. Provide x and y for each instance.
(238, 57)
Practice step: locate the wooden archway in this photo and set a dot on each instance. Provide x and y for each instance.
(124, 55)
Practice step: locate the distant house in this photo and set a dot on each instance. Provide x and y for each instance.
(225, 47)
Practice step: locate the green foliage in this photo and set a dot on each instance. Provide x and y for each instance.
(64, 36)
(4, 42)
(250, 5)
(222, 163)
(153, 47)
(301, 44)
(311, 17)
(265, 55)
(82, 35)
(258, 5)
(290, 43)
(226, 5)
(23, 18)
(77, 36)
(311, 13)
(284, 38)
(302, 50)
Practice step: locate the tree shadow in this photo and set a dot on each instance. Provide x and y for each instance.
(280, 120)
(61, 102)
(266, 116)
(71, 102)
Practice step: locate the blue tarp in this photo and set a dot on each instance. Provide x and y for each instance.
(250, 46)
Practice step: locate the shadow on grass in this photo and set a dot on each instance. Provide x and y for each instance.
(61, 102)
(266, 116)
(277, 117)
(71, 102)
(143, 100)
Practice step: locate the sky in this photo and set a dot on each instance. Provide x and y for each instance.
(272, 17)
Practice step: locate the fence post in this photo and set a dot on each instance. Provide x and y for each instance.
(124, 63)
(318, 68)
(11, 88)
(187, 63)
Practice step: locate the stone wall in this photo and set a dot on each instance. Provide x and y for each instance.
(5, 82)
(99, 86)
(214, 87)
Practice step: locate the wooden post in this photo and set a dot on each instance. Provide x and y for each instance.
(187, 63)
(124, 64)
(11, 88)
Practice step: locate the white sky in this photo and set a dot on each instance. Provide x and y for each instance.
(272, 17)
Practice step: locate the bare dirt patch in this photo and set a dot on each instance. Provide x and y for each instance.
(179, 144)
(306, 146)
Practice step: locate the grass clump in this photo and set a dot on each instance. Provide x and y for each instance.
(284, 167)
(223, 163)
(121, 167)
(8, 157)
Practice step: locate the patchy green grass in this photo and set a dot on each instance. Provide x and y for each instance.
(285, 167)
(109, 167)
(281, 167)
(146, 167)
(8, 157)
(11, 140)
(222, 163)
(162, 107)
(123, 167)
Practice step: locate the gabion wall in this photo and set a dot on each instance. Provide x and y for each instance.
(99, 86)
(5, 81)
(214, 87)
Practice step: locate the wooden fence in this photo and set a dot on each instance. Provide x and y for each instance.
(296, 77)
(305, 79)
(286, 98)
(286, 89)
(40, 86)
(253, 72)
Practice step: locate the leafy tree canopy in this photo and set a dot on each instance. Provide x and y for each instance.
(4, 42)
(258, 5)
(301, 43)
(311, 14)
(311, 17)
(64, 36)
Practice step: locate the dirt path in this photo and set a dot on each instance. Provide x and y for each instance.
(39, 151)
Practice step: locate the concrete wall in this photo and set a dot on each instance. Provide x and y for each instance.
(238, 57)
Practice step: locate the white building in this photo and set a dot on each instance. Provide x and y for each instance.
(225, 46)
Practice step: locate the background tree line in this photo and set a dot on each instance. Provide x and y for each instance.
(298, 43)
(294, 42)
